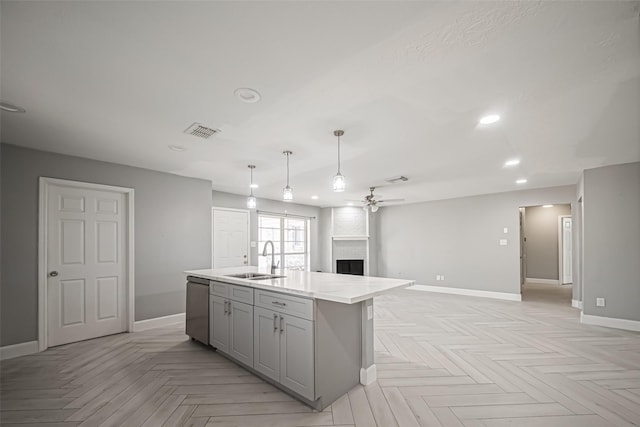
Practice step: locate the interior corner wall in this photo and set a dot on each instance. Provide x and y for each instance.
(541, 245)
(460, 239)
(235, 201)
(611, 241)
(172, 233)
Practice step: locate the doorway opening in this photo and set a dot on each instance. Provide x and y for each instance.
(546, 253)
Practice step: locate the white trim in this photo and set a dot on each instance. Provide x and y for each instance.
(467, 292)
(561, 249)
(610, 322)
(350, 237)
(248, 212)
(576, 304)
(17, 350)
(368, 375)
(542, 281)
(158, 322)
(44, 184)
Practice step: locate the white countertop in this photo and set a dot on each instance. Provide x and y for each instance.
(342, 288)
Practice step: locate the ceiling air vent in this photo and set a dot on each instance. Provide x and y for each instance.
(200, 131)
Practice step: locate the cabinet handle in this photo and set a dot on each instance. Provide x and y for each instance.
(275, 322)
(281, 304)
(281, 325)
(226, 310)
(229, 311)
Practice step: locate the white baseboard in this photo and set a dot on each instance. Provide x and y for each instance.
(542, 281)
(369, 375)
(17, 350)
(576, 304)
(157, 322)
(467, 292)
(610, 322)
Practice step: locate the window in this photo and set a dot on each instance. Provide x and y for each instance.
(290, 237)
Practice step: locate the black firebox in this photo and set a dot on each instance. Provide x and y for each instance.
(350, 266)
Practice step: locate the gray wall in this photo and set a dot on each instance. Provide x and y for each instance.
(541, 246)
(460, 239)
(172, 233)
(228, 200)
(612, 241)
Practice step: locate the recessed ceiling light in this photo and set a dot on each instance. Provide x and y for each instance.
(177, 148)
(547, 206)
(350, 204)
(512, 162)
(521, 181)
(248, 95)
(491, 118)
(253, 186)
(315, 197)
(5, 106)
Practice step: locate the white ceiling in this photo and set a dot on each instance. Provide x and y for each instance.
(407, 81)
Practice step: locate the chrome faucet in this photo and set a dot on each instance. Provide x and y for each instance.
(273, 255)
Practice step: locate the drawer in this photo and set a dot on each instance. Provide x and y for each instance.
(218, 288)
(286, 304)
(241, 294)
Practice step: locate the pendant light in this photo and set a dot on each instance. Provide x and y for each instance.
(251, 200)
(338, 180)
(287, 192)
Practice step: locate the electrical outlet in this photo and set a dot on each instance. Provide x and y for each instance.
(503, 242)
(442, 277)
(599, 302)
(505, 230)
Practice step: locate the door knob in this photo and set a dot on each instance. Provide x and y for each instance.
(53, 274)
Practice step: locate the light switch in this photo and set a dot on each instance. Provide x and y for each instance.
(505, 230)
(369, 312)
(503, 242)
(253, 244)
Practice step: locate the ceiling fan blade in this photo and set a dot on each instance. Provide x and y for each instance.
(390, 200)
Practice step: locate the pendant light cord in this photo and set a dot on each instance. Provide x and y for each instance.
(338, 154)
(251, 181)
(288, 169)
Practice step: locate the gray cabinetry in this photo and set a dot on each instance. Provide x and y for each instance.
(284, 343)
(231, 320)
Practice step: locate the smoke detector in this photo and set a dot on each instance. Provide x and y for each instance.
(201, 131)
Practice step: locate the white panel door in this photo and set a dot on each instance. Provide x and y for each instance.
(567, 249)
(86, 264)
(230, 238)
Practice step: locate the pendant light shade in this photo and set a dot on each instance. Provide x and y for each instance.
(287, 192)
(251, 200)
(339, 183)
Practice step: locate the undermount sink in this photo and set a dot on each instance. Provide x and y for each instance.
(255, 276)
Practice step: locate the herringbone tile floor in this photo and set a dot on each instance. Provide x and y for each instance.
(443, 360)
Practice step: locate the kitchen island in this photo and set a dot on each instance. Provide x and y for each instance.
(308, 333)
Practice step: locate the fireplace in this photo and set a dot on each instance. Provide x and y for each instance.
(350, 266)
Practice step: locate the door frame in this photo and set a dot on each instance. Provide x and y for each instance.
(44, 186)
(248, 212)
(561, 249)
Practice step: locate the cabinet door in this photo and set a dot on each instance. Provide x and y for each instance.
(219, 327)
(241, 340)
(297, 356)
(266, 344)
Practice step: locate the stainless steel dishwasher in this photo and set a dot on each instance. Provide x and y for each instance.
(197, 323)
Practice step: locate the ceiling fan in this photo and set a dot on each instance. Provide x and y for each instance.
(371, 202)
